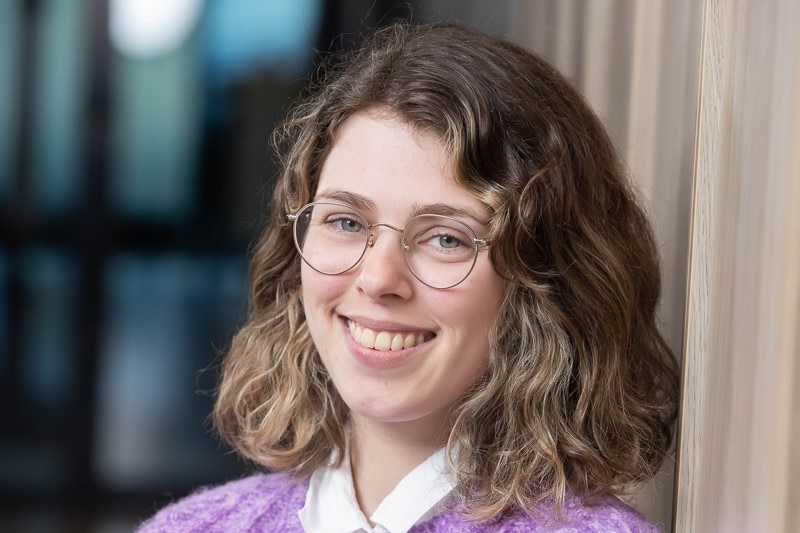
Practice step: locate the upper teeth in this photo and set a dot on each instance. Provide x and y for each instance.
(384, 340)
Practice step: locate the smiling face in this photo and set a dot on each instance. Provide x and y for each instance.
(396, 349)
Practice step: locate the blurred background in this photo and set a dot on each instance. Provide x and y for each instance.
(134, 173)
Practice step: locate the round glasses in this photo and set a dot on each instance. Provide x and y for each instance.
(440, 251)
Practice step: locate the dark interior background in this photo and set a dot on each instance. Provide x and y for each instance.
(134, 173)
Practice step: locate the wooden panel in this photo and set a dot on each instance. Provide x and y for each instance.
(736, 468)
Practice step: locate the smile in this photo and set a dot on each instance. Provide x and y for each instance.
(386, 340)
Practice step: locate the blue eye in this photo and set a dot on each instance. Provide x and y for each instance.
(448, 241)
(346, 224)
(441, 238)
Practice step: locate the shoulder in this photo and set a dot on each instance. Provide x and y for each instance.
(607, 515)
(263, 502)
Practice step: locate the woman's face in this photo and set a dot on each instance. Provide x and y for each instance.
(392, 172)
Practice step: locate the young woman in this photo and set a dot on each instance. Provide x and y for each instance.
(453, 309)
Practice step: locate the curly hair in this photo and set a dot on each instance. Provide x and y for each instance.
(580, 392)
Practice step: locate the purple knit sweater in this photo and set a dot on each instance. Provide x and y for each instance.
(270, 502)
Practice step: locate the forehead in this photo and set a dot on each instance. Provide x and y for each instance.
(393, 164)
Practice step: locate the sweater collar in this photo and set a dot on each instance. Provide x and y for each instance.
(331, 504)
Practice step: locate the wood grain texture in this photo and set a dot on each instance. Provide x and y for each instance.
(737, 471)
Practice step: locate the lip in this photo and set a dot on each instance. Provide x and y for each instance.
(376, 358)
(377, 325)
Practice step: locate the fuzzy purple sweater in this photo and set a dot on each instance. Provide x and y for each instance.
(270, 502)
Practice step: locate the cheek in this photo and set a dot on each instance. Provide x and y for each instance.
(321, 295)
(313, 291)
(319, 289)
(468, 321)
(478, 315)
(477, 306)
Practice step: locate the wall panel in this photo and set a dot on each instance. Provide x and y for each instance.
(738, 467)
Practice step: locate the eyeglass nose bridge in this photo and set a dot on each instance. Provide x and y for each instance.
(372, 236)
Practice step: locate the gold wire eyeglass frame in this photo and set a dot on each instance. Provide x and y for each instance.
(370, 240)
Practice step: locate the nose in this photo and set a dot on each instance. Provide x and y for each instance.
(382, 273)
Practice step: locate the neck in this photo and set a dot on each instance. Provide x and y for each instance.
(381, 454)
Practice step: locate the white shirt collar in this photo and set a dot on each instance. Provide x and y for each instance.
(331, 505)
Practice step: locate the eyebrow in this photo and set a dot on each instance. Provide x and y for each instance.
(363, 203)
(450, 211)
(352, 199)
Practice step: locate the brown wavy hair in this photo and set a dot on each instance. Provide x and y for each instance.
(580, 392)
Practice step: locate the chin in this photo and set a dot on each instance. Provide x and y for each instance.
(369, 408)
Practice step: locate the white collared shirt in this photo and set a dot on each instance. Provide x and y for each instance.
(331, 505)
